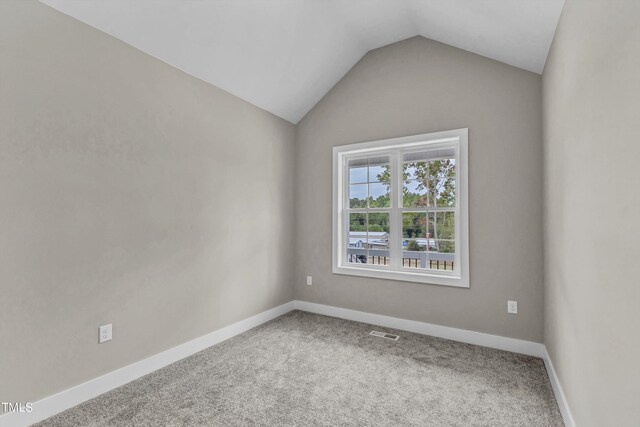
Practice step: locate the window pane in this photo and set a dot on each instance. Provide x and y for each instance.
(357, 172)
(444, 225)
(379, 222)
(414, 225)
(444, 189)
(357, 240)
(417, 170)
(435, 262)
(429, 179)
(379, 173)
(414, 194)
(441, 255)
(358, 196)
(379, 196)
(378, 239)
(414, 245)
(358, 223)
(429, 193)
(446, 246)
(442, 168)
(409, 171)
(414, 253)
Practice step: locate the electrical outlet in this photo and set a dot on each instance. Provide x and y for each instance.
(309, 280)
(512, 307)
(105, 333)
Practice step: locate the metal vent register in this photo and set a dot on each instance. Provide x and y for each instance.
(385, 335)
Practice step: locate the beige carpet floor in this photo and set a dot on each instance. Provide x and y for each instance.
(304, 369)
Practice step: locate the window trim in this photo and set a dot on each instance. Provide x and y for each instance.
(367, 149)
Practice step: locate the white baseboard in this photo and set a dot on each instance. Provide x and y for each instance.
(66, 399)
(557, 391)
(455, 334)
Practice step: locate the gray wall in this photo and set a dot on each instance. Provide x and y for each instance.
(132, 194)
(418, 86)
(592, 209)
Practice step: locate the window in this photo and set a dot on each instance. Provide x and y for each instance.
(400, 209)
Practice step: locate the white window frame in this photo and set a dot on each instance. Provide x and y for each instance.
(342, 154)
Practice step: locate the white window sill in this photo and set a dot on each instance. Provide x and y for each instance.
(405, 276)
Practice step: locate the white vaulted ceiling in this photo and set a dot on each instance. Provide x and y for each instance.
(285, 55)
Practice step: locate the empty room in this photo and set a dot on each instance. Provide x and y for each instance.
(320, 213)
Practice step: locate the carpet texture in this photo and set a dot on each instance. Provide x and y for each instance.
(306, 369)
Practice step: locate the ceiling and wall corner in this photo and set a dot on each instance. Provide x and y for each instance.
(284, 56)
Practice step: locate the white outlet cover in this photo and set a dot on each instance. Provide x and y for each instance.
(105, 333)
(512, 307)
(309, 280)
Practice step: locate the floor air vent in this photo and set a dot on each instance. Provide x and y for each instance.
(385, 335)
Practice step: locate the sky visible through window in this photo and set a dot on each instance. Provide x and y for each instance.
(358, 175)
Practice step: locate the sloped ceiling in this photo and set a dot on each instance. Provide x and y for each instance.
(285, 55)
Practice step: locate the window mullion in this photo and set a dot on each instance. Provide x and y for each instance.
(345, 211)
(395, 241)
